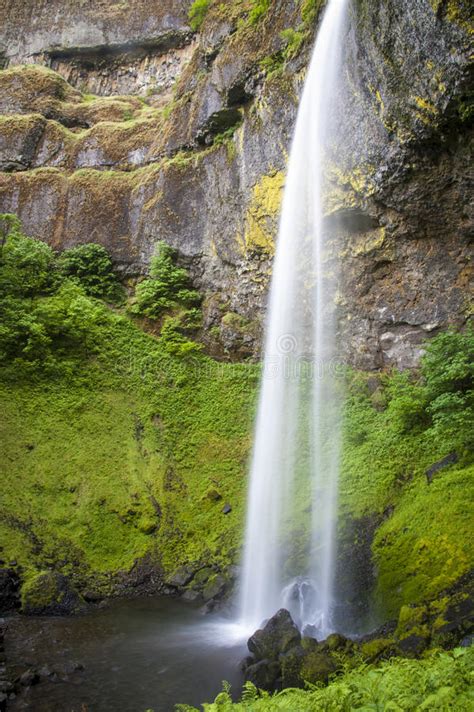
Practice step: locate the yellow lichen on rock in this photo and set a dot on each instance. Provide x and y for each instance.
(427, 110)
(368, 242)
(455, 11)
(262, 213)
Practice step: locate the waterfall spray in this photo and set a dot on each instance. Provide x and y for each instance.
(289, 548)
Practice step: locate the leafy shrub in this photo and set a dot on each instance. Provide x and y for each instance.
(448, 373)
(440, 401)
(197, 13)
(26, 264)
(408, 402)
(174, 340)
(168, 286)
(90, 265)
(47, 315)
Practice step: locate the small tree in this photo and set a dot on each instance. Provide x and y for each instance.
(167, 288)
(90, 265)
(26, 265)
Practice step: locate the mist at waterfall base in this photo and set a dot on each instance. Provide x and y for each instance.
(289, 549)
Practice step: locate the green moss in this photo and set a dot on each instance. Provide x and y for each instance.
(75, 462)
(258, 10)
(39, 591)
(375, 649)
(48, 593)
(435, 549)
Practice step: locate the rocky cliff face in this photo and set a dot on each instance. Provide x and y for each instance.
(195, 151)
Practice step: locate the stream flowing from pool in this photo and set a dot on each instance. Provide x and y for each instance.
(289, 548)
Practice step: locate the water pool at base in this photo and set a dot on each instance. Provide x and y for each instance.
(137, 655)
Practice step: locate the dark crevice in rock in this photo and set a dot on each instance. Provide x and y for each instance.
(218, 123)
(351, 220)
(94, 56)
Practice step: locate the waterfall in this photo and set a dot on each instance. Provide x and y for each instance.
(289, 549)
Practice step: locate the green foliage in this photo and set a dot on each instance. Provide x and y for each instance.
(448, 373)
(226, 135)
(259, 10)
(391, 438)
(47, 320)
(128, 421)
(441, 401)
(174, 339)
(274, 64)
(310, 10)
(129, 416)
(26, 265)
(293, 40)
(441, 681)
(90, 265)
(197, 13)
(168, 286)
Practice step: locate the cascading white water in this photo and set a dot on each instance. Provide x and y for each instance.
(289, 548)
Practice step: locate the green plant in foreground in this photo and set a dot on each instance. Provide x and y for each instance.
(442, 681)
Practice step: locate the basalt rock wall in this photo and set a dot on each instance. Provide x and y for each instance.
(130, 129)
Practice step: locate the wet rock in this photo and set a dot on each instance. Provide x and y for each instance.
(191, 596)
(73, 666)
(181, 577)
(46, 673)
(413, 645)
(215, 587)
(450, 459)
(310, 631)
(453, 618)
(226, 509)
(335, 641)
(52, 594)
(278, 636)
(29, 678)
(317, 667)
(9, 590)
(291, 663)
(264, 674)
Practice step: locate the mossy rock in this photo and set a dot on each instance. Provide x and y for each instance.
(378, 649)
(215, 587)
(202, 577)
(318, 667)
(453, 619)
(291, 664)
(335, 641)
(50, 594)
